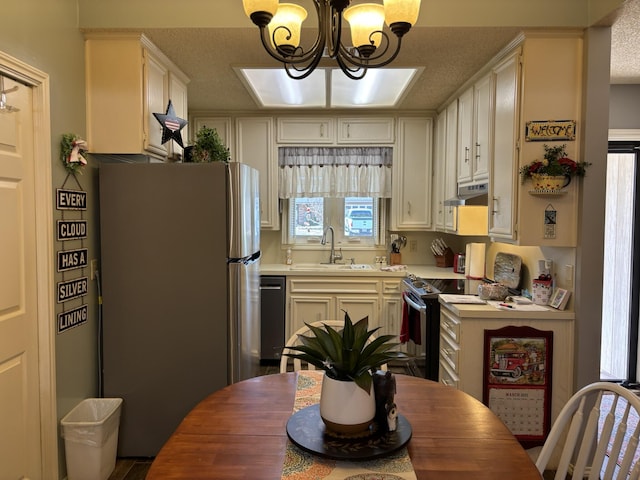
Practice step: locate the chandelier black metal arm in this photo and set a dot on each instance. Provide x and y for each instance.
(353, 61)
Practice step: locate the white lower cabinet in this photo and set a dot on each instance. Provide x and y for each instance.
(462, 353)
(313, 299)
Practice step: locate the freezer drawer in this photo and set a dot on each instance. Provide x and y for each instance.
(272, 314)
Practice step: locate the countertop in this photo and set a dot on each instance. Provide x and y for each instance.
(423, 271)
(484, 311)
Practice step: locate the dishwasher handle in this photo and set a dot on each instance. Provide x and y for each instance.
(270, 287)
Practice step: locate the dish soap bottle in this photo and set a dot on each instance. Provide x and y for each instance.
(289, 260)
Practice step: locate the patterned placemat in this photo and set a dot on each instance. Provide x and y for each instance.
(300, 465)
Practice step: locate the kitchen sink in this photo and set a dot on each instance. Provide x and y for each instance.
(328, 266)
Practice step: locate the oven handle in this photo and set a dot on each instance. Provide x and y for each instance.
(413, 304)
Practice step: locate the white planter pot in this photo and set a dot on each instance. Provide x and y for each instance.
(345, 407)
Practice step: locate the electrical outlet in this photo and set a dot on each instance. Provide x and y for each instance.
(413, 245)
(568, 275)
(94, 268)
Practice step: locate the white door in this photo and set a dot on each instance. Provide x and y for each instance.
(20, 442)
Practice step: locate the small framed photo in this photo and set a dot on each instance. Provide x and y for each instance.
(559, 298)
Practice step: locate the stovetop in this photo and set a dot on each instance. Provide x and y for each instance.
(427, 286)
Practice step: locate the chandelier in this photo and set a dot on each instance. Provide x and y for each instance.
(281, 24)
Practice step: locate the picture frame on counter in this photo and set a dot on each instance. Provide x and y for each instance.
(559, 298)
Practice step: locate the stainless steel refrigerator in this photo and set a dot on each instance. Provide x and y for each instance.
(180, 288)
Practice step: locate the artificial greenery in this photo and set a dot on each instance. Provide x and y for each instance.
(69, 143)
(344, 354)
(554, 163)
(209, 147)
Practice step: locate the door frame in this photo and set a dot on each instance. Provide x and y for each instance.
(38, 81)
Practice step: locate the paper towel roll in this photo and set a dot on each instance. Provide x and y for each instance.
(474, 260)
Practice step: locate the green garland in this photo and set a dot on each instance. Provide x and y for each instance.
(67, 144)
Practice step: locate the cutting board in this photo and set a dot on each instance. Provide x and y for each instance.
(506, 269)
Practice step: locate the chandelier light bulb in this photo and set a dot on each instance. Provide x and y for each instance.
(401, 11)
(364, 20)
(286, 25)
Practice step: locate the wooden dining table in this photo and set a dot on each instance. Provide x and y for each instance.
(239, 432)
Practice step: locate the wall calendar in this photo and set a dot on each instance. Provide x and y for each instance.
(517, 380)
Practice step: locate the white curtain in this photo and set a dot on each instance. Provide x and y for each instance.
(334, 172)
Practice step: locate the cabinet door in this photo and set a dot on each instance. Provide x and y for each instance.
(156, 98)
(255, 147)
(365, 130)
(465, 136)
(451, 164)
(439, 166)
(359, 307)
(411, 191)
(178, 97)
(308, 309)
(306, 130)
(503, 185)
(482, 128)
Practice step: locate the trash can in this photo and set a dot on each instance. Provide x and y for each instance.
(90, 434)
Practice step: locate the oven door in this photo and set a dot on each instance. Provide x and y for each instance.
(427, 354)
(414, 326)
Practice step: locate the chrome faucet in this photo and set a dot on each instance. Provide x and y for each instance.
(333, 256)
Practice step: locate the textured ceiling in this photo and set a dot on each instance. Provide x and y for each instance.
(450, 56)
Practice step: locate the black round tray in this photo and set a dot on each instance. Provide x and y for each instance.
(306, 429)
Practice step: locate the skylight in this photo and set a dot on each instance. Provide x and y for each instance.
(327, 87)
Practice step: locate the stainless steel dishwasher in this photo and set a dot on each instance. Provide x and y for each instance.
(272, 315)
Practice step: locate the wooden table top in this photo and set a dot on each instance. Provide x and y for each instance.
(239, 433)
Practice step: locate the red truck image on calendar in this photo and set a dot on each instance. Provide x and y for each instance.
(515, 359)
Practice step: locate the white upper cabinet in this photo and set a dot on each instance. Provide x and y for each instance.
(439, 149)
(450, 161)
(179, 100)
(412, 183)
(255, 147)
(305, 130)
(504, 178)
(474, 132)
(366, 130)
(128, 79)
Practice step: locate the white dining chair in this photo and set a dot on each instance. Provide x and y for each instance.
(599, 427)
(295, 340)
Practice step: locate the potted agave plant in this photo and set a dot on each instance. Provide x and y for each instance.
(349, 358)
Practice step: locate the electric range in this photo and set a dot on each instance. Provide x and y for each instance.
(420, 300)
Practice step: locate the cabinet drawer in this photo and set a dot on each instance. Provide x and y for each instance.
(447, 377)
(390, 287)
(342, 286)
(450, 325)
(449, 352)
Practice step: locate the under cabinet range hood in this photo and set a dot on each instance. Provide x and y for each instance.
(470, 195)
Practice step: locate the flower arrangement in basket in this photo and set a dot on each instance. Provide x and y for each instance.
(554, 171)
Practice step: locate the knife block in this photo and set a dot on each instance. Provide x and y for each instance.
(445, 260)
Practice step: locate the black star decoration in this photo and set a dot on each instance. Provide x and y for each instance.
(171, 125)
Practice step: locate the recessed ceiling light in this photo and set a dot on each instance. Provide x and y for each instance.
(328, 88)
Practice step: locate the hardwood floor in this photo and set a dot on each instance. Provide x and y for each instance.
(131, 468)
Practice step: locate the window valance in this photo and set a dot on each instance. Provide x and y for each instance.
(335, 171)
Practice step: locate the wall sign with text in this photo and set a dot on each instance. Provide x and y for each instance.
(550, 130)
(72, 203)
